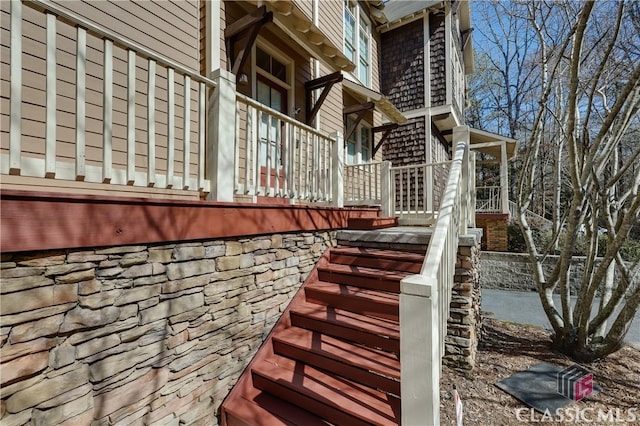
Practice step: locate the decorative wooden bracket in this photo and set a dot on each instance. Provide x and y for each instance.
(250, 23)
(466, 35)
(386, 130)
(361, 110)
(326, 83)
(439, 134)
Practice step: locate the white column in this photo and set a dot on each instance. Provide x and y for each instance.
(386, 194)
(504, 178)
(428, 178)
(337, 178)
(15, 108)
(472, 189)
(222, 136)
(419, 352)
(213, 34)
(461, 134)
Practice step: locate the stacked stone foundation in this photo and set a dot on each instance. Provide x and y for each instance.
(141, 334)
(465, 322)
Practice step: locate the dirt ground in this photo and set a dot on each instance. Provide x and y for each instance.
(507, 348)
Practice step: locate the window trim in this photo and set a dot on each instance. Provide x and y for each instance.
(358, 144)
(360, 14)
(288, 62)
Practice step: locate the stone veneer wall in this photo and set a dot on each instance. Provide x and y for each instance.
(141, 334)
(513, 271)
(465, 322)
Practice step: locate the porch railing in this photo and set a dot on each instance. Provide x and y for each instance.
(150, 134)
(488, 199)
(363, 184)
(425, 298)
(277, 156)
(415, 196)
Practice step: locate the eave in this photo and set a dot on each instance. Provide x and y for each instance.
(295, 23)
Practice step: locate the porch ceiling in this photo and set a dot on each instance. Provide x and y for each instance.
(490, 143)
(382, 104)
(293, 21)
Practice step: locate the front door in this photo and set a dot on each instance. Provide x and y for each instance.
(271, 137)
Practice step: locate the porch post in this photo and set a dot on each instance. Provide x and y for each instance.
(419, 351)
(386, 193)
(461, 134)
(337, 172)
(504, 178)
(221, 132)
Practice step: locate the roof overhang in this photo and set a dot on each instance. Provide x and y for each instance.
(295, 23)
(382, 104)
(491, 143)
(399, 11)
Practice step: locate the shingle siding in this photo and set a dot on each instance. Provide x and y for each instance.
(437, 52)
(402, 66)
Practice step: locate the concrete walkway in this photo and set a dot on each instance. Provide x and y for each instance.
(525, 308)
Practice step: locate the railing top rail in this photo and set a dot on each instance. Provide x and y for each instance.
(372, 163)
(445, 216)
(416, 166)
(117, 39)
(281, 116)
(488, 187)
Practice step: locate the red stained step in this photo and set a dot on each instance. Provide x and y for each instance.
(372, 367)
(257, 408)
(336, 400)
(373, 332)
(354, 299)
(374, 279)
(373, 258)
(368, 223)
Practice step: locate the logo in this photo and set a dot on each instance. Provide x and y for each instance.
(575, 382)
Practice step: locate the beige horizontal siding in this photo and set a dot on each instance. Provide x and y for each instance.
(169, 28)
(307, 6)
(34, 97)
(331, 111)
(330, 21)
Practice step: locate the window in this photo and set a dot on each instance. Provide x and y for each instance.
(271, 65)
(358, 146)
(357, 40)
(271, 89)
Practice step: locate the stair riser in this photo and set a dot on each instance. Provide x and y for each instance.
(372, 283)
(358, 336)
(354, 304)
(332, 414)
(370, 262)
(339, 368)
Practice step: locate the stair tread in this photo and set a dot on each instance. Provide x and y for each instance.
(380, 326)
(357, 400)
(258, 408)
(370, 223)
(378, 361)
(379, 253)
(376, 274)
(348, 290)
